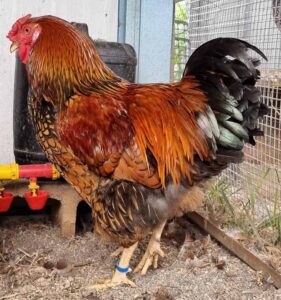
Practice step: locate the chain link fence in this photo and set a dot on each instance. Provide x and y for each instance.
(259, 23)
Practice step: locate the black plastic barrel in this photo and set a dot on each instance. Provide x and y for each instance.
(121, 58)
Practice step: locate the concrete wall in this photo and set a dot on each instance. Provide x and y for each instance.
(101, 17)
(149, 31)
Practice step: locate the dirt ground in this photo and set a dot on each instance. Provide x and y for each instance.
(37, 263)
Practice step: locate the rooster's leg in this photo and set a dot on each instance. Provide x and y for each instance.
(118, 277)
(152, 252)
(117, 252)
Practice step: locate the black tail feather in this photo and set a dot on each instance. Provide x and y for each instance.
(228, 76)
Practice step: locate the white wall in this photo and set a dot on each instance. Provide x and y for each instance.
(101, 17)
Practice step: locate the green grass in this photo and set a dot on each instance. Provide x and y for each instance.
(223, 201)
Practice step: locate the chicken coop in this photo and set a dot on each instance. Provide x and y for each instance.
(256, 182)
(51, 146)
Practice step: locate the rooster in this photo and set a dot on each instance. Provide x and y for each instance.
(139, 154)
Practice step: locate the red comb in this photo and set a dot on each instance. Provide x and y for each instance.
(17, 26)
(22, 20)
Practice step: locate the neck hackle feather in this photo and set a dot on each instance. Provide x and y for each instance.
(65, 62)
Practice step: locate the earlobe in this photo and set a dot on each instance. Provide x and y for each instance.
(36, 33)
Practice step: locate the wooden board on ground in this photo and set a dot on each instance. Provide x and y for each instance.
(235, 247)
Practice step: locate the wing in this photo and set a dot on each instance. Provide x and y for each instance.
(99, 131)
(146, 134)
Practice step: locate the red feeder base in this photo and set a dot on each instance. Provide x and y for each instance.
(6, 201)
(36, 202)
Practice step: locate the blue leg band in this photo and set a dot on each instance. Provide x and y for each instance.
(121, 269)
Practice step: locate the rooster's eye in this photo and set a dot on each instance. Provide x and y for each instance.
(26, 30)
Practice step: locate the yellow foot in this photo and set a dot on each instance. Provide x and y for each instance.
(118, 278)
(109, 283)
(150, 257)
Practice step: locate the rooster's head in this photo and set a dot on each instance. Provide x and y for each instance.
(23, 35)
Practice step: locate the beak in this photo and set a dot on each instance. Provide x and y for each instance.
(14, 46)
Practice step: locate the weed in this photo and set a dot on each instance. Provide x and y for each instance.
(241, 207)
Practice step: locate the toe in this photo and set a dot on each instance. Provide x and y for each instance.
(130, 283)
(108, 283)
(147, 264)
(161, 252)
(103, 280)
(140, 264)
(155, 261)
(101, 286)
(138, 267)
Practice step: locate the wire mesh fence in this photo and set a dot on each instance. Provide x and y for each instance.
(181, 48)
(259, 23)
(181, 45)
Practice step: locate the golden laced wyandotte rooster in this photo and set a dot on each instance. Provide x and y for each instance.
(139, 154)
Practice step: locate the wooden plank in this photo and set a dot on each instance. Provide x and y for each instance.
(235, 247)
